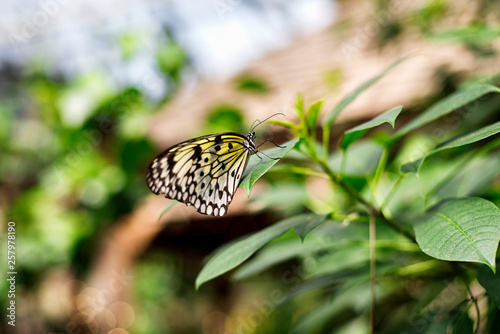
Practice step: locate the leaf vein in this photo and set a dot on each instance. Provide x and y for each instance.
(449, 220)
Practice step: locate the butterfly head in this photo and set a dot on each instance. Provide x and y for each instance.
(251, 140)
(251, 136)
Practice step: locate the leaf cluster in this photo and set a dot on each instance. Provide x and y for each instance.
(433, 200)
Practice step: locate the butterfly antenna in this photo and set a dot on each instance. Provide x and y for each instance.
(260, 122)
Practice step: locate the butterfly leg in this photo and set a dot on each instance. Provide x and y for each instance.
(256, 152)
(269, 140)
(256, 149)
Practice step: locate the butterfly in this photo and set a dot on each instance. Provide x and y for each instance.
(205, 171)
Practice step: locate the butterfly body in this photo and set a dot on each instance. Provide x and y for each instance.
(203, 172)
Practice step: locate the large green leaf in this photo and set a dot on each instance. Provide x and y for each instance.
(466, 229)
(446, 106)
(487, 131)
(259, 164)
(231, 256)
(350, 136)
(351, 97)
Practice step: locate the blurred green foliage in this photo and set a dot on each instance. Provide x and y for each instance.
(373, 183)
(171, 60)
(225, 118)
(73, 155)
(251, 84)
(426, 16)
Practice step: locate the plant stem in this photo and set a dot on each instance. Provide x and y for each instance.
(338, 180)
(343, 161)
(393, 190)
(347, 188)
(326, 140)
(397, 227)
(372, 271)
(378, 174)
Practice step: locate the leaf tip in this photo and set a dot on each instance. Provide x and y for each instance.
(412, 167)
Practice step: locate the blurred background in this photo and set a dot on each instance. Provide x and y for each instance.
(92, 91)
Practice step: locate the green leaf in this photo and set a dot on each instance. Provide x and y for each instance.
(466, 229)
(352, 135)
(439, 326)
(313, 113)
(351, 97)
(487, 131)
(360, 160)
(273, 254)
(303, 229)
(167, 209)
(285, 124)
(472, 34)
(341, 260)
(467, 176)
(463, 324)
(252, 84)
(446, 106)
(299, 106)
(229, 257)
(491, 282)
(354, 295)
(259, 166)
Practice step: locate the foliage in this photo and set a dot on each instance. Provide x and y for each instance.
(74, 151)
(251, 84)
(400, 211)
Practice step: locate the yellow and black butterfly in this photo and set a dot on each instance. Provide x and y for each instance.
(204, 171)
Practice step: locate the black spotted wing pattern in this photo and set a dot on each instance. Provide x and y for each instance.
(203, 172)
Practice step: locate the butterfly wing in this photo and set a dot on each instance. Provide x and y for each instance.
(203, 172)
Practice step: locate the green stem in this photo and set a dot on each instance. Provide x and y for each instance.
(336, 179)
(313, 140)
(396, 227)
(378, 173)
(372, 271)
(339, 181)
(306, 171)
(392, 191)
(343, 162)
(326, 141)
